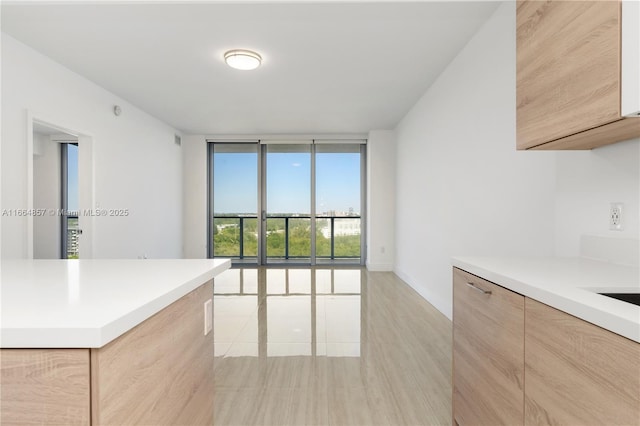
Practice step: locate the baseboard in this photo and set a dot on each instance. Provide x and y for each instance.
(380, 267)
(444, 308)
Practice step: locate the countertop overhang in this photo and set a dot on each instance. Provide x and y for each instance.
(88, 303)
(568, 284)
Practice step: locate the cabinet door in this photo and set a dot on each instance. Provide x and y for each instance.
(488, 352)
(160, 372)
(44, 387)
(568, 68)
(578, 373)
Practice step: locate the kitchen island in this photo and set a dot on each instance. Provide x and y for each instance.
(107, 341)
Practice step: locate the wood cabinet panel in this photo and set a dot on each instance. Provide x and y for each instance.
(568, 68)
(44, 386)
(160, 372)
(624, 129)
(578, 373)
(488, 353)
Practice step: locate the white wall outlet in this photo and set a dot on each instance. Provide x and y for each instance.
(208, 316)
(615, 217)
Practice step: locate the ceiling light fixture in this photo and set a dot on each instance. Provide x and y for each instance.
(242, 59)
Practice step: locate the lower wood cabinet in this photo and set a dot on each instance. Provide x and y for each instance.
(488, 352)
(44, 386)
(158, 373)
(577, 373)
(517, 361)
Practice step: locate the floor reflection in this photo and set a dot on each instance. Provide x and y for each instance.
(288, 312)
(328, 346)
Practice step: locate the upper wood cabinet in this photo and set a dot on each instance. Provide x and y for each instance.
(568, 75)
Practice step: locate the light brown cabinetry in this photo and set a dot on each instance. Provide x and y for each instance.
(568, 75)
(578, 373)
(44, 386)
(160, 372)
(488, 352)
(517, 361)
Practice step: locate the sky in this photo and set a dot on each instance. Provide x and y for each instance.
(288, 182)
(72, 177)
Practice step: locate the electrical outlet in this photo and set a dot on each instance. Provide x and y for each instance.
(615, 217)
(208, 316)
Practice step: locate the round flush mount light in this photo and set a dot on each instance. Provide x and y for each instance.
(242, 59)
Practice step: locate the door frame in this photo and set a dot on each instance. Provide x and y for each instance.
(85, 179)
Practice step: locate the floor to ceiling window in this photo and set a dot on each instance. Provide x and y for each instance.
(338, 199)
(234, 194)
(287, 202)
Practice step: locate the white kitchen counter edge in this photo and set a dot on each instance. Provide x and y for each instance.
(581, 301)
(97, 337)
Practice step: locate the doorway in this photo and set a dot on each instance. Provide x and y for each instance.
(287, 202)
(59, 190)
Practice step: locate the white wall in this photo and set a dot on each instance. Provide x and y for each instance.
(587, 183)
(381, 187)
(135, 163)
(46, 195)
(462, 188)
(194, 154)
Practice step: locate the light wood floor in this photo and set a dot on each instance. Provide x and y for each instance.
(328, 347)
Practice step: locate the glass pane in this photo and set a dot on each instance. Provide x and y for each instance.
(337, 181)
(250, 237)
(226, 237)
(323, 238)
(299, 237)
(275, 238)
(347, 238)
(288, 175)
(72, 202)
(338, 200)
(235, 200)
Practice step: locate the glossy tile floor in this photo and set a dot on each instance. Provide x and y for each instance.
(328, 347)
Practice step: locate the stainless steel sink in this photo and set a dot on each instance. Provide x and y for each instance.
(625, 297)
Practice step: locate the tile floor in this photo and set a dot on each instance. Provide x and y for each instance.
(328, 347)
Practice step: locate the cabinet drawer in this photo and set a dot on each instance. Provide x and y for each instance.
(488, 352)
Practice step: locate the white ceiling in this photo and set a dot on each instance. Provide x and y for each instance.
(328, 67)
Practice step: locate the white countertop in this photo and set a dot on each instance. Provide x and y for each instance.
(88, 303)
(568, 284)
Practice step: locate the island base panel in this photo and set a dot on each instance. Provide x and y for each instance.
(44, 386)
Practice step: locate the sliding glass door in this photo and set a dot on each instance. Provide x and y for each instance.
(286, 202)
